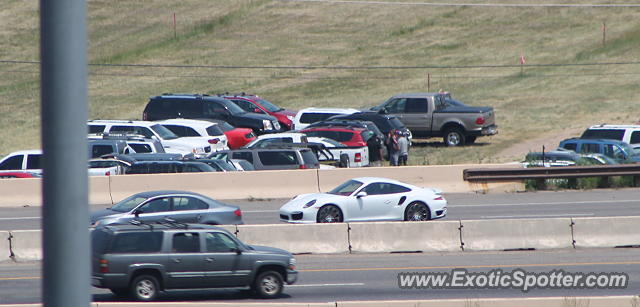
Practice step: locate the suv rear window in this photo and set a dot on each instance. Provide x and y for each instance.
(340, 136)
(278, 158)
(614, 134)
(214, 130)
(309, 157)
(308, 118)
(136, 242)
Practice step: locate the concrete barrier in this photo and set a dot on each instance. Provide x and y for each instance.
(505, 234)
(99, 190)
(5, 251)
(606, 231)
(21, 192)
(313, 238)
(219, 185)
(448, 178)
(26, 244)
(210, 304)
(603, 301)
(404, 236)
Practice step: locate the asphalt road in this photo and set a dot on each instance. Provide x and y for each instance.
(326, 278)
(623, 202)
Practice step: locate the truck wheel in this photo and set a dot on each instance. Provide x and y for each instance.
(454, 137)
(269, 284)
(144, 288)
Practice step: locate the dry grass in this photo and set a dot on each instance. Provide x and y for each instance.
(543, 102)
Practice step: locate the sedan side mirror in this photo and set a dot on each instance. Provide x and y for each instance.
(361, 194)
(137, 212)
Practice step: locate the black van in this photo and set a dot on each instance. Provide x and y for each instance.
(196, 106)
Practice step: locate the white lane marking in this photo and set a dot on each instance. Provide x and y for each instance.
(20, 218)
(535, 215)
(551, 203)
(327, 285)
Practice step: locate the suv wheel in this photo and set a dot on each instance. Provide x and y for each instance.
(454, 137)
(269, 284)
(144, 288)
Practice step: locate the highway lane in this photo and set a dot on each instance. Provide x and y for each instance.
(326, 278)
(462, 206)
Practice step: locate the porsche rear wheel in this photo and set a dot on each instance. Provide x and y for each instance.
(417, 211)
(329, 214)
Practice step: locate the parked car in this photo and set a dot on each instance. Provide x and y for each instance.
(236, 137)
(349, 136)
(273, 158)
(618, 150)
(556, 158)
(160, 167)
(198, 129)
(384, 122)
(108, 166)
(171, 142)
(139, 143)
(196, 106)
(428, 115)
(256, 104)
(626, 133)
(23, 160)
(242, 165)
(366, 199)
(180, 206)
(308, 116)
(5, 175)
(219, 165)
(141, 260)
(376, 144)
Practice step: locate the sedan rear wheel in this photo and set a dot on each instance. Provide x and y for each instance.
(417, 212)
(329, 214)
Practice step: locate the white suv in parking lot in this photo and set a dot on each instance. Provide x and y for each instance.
(308, 116)
(198, 129)
(171, 142)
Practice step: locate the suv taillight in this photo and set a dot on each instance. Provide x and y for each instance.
(213, 141)
(108, 173)
(480, 121)
(237, 212)
(358, 157)
(104, 266)
(303, 166)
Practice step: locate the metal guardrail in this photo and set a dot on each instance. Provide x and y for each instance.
(567, 172)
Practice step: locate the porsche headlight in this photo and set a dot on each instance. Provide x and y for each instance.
(309, 204)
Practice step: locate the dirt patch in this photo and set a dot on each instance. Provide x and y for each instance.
(549, 141)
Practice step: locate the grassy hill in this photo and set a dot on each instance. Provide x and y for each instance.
(390, 49)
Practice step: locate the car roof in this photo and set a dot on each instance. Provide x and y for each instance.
(605, 126)
(159, 227)
(26, 152)
(166, 192)
(603, 141)
(187, 122)
(367, 180)
(328, 110)
(122, 122)
(336, 128)
(280, 135)
(418, 95)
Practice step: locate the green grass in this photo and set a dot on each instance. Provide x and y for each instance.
(541, 102)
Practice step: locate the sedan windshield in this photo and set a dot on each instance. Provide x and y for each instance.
(346, 188)
(128, 203)
(163, 132)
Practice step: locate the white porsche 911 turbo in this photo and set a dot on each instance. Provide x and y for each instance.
(366, 199)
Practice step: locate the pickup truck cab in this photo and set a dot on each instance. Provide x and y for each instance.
(429, 115)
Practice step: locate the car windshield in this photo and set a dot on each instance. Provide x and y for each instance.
(346, 188)
(128, 203)
(163, 132)
(269, 106)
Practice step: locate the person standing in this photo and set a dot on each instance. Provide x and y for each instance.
(403, 148)
(394, 149)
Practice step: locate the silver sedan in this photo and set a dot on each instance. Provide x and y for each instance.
(180, 206)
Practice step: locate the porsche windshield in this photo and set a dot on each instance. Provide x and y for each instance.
(346, 188)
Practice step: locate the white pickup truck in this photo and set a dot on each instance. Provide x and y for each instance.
(348, 156)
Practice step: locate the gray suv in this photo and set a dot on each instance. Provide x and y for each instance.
(140, 260)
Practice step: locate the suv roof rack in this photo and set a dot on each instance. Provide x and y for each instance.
(173, 223)
(123, 136)
(136, 222)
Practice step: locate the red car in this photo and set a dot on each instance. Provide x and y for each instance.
(236, 137)
(256, 104)
(350, 136)
(19, 175)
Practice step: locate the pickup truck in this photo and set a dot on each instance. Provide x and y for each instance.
(432, 115)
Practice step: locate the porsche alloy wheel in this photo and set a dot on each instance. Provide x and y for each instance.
(329, 214)
(417, 212)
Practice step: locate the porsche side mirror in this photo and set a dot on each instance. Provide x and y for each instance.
(361, 194)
